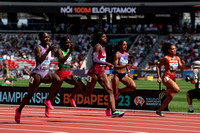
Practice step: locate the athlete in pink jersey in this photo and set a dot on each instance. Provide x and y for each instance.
(171, 63)
(97, 72)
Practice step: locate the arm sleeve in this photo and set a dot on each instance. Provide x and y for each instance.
(195, 73)
(96, 60)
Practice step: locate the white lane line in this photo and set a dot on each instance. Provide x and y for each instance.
(131, 117)
(130, 114)
(29, 130)
(96, 110)
(77, 128)
(106, 125)
(126, 119)
(143, 119)
(181, 121)
(74, 110)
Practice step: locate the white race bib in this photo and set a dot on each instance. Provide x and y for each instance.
(173, 66)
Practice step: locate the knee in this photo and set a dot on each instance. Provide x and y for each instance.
(133, 87)
(58, 80)
(110, 90)
(177, 90)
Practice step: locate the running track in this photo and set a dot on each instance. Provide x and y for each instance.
(68, 120)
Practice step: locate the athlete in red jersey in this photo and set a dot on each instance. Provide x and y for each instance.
(97, 72)
(171, 63)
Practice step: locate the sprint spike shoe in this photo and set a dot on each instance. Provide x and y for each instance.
(17, 116)
(108, 112)
(48, 104)
(117, 114)
(73, 104)
(160, 113)
(47, 112)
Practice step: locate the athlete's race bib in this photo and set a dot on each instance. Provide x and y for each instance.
(103, 59)
(173, 66)
(45, 65)
(123, 61)
(68, 61)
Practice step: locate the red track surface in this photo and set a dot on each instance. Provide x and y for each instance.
(65, 120)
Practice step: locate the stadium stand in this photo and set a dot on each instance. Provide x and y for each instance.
(187, 48)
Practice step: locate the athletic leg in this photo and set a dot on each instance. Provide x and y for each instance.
(91, 82)
(172, 88)
(105, 83)
(70, 80)
(54, 88)
(188, 99)
(131, 86)
(34, 83)
(115, 83)
(189, 102)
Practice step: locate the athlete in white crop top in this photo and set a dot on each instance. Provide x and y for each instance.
(119, 74)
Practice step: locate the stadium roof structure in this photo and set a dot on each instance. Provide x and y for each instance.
(142, 6)
(101, 1)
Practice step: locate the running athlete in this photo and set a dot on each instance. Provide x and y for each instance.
(41, 74)
(97, 72)
(64, 63)
(171, 63)
(119, 73)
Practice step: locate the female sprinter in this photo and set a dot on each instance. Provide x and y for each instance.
(119, 73)
(171, 63)
(64, 63)
(97, 72)
(41, 74)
